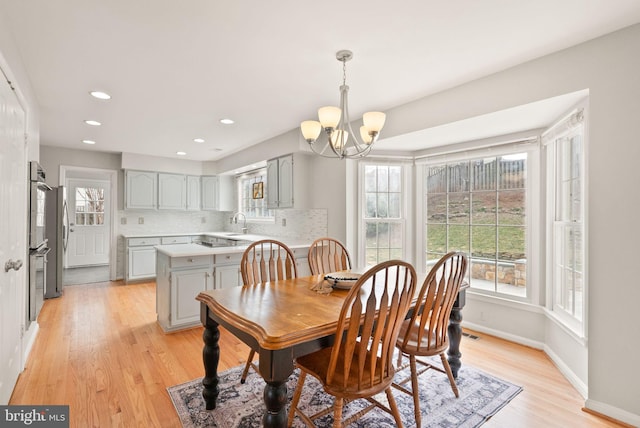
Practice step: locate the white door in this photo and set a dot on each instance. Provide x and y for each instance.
(89, 222)
(13, 238)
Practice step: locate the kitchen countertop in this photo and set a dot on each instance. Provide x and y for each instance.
(189, 250)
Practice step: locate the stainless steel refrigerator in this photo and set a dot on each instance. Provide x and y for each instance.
(57, 232)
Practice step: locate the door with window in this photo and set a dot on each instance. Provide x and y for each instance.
(89, 223)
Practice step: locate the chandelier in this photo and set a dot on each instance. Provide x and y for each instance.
(341, 141)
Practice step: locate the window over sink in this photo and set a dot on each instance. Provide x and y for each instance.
(252, 195)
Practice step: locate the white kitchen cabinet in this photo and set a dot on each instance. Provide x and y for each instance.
(193, 193)
(280, 182)
(302, 260)
(172, 191)
(179, 281)
(209, 184)
(227, 276)
(141, 190)
(227, 270)
(141, 258)
(185, 286)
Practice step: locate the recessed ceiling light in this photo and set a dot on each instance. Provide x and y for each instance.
(198, 140)
(181, 153)
(100, 95)
(88, 141)
(92, 122)
(226, 121)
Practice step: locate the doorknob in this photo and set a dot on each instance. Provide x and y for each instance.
(12, 264)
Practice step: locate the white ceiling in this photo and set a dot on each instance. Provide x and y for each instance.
(174, 68)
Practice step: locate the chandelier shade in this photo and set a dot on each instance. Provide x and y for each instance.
(341, 142)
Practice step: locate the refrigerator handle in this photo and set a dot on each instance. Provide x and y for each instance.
(65, 226)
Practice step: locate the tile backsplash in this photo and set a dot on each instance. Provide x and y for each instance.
(299, 225)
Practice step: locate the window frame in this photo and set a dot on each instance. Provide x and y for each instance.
(503, 146)
(406, 211)
(563, 130)
(250, 175)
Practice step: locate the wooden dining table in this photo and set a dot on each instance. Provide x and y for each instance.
(281, 321)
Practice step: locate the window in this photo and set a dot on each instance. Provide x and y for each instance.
(383, 212)
(252, 195)
(478, 206)
(89, 206)
(565, 151)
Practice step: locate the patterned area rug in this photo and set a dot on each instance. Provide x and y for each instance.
(481, 396)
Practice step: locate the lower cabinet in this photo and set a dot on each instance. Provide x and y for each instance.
(141, 258)
(178, 282)
(227, 270)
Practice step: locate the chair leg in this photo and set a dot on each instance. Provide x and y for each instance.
(337, 412)
(447, 368)
(394, 407)
(415, 389)
(245, 372)
(296, 398)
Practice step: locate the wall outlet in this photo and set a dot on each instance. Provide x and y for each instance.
(140, 220)
(284, 222)
(123, 220)
(203, 220)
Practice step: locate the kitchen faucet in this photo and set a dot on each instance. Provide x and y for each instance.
(235, 220)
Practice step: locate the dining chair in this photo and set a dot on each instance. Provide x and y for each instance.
(264, 261)
(424, 334)
(359, 365)
(328, 255)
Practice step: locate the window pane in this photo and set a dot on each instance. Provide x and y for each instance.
(395, 235)
(383, 205)
(459, 208)
(483, 242)
(79, 219)
(371, 235)
(370, 178)
(512, 171)
(371, 205)
(437, 208)
(484, 173)
(394, 205)
(383, 179)
(511, 205)
(511, 243)
(483, 207)
(459, 177)
(437, 238)
(458, 238)
(395, 179)
(436, 179)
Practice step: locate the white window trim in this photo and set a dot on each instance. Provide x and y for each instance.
(577, 328)
(533, 222)
(407, 214)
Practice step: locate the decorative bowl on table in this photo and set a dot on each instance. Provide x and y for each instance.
(343, 279)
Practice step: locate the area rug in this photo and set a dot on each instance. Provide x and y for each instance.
(241, 405)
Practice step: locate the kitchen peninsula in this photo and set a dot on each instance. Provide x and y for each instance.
(184, 270)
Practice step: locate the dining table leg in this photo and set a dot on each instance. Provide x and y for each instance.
(275, 367)
(210, 357)
(454, 331)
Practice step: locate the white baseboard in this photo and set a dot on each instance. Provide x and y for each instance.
(29, 340)
(502, 335)
(566, 371)
(613, 412)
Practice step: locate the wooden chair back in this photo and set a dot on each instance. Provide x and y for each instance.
(427, 332)
(362, 361)
(267, 260)
(328, 255)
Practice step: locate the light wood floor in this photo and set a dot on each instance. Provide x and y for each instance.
(101, 352)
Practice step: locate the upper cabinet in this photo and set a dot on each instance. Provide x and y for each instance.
(209, 192)
(280, 182)
(141, 190)
(193, 193)
(172, 191)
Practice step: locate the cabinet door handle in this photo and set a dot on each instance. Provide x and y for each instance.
(190, 260)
